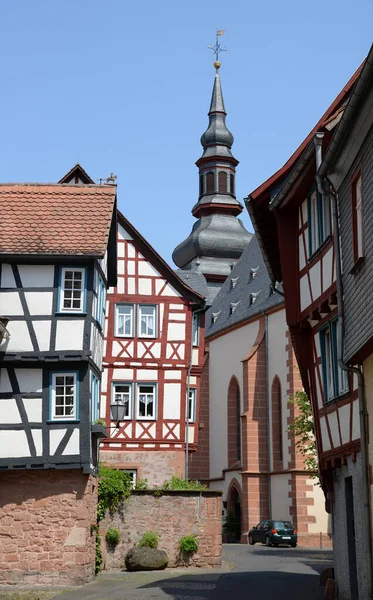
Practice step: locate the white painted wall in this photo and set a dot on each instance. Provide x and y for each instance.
(69, 334)
(323, 520)
(280, 497)
(226, 354)
(171, 401)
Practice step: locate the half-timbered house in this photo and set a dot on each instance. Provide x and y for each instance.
(346, 172)
(293, 220)
(58, 256)
(154, 340)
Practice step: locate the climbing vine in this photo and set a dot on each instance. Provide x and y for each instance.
(303, 431)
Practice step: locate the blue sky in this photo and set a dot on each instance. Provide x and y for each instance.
(125, 87)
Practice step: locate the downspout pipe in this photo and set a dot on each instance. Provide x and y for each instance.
(195, 312)
(329, 192)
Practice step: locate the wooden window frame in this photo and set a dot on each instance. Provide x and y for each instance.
(132, 321)
(128, 384)
(155, 316)
(155, 400)
(63, 289)
(53, 385)
(192, 403)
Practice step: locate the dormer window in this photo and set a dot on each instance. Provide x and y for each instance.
(253, 273)
(233, 307)
(214, 317)
(234, 282)
(210, 182)
(254, 297)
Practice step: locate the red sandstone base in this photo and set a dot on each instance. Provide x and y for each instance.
(45, 523)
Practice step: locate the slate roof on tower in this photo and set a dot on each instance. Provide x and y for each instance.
(244, 294)
(56, 219)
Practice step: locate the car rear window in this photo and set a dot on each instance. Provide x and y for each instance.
(283, 525)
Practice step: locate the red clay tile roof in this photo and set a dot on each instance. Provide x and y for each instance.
(55, 219)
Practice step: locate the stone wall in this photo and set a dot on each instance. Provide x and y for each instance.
(172, 515)
(45, 519)
(156, 466)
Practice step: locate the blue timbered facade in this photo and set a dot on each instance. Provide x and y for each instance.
(58, 257)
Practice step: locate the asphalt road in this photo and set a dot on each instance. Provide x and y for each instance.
(248, 573)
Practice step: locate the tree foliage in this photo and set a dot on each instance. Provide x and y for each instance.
(303, 431)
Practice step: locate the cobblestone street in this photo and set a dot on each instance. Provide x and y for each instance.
(247, 572)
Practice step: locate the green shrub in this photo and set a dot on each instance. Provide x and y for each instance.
(100, 422)
(188, 544)
(112, 536)
(149, 540)
(178, 483)
(141, 484)
(113, 486)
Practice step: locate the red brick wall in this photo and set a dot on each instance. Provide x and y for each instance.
(199, 461)
(172, 516)
(154, 465)
(45, 519)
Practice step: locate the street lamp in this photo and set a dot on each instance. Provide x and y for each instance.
(117, 412)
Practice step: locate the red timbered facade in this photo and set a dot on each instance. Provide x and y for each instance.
(293, 221)
(152, 336)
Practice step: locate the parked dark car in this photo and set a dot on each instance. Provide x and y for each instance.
(273, 533)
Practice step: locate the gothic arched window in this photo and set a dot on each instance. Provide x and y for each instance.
(277, 424)
(234, 422)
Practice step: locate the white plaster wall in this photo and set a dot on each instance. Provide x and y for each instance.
(39, 303)
(10, 304)
(9, 412)
(19, 340)
(145, 268)
(323, 520)
(171, 401)
(280, 497)
(7, 278)
(176, 332)
(33, 407)
(277, 358)
(315, 276)
(29, 380)
(69, 334)
(36, 275)
(14, 444)
(226, 354)
(43, 334)
(305, 296)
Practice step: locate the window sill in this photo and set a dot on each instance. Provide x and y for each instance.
(358, 265)
(70, 314)
(319, 250)
(99, 431)
(65, 421)
(146, 419)
(337, 398)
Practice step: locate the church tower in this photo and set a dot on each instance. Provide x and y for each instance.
(218, 238)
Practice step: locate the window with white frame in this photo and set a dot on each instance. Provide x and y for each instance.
(133, 475)
(122, 394)
(335, 379)
(195, 329)
(72, 290)
(192, 405)
(95, 398)
(147, 320)
(64, 396)
(124, 320)
(146, 400)
(101, 296)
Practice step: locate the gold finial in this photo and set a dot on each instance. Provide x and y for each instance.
(217, 48)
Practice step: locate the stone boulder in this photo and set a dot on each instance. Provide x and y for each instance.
(145, 559)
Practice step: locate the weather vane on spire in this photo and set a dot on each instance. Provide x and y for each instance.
(217, 48)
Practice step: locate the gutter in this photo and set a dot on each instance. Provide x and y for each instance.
(331, 194)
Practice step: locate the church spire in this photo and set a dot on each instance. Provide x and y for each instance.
(217, 237)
